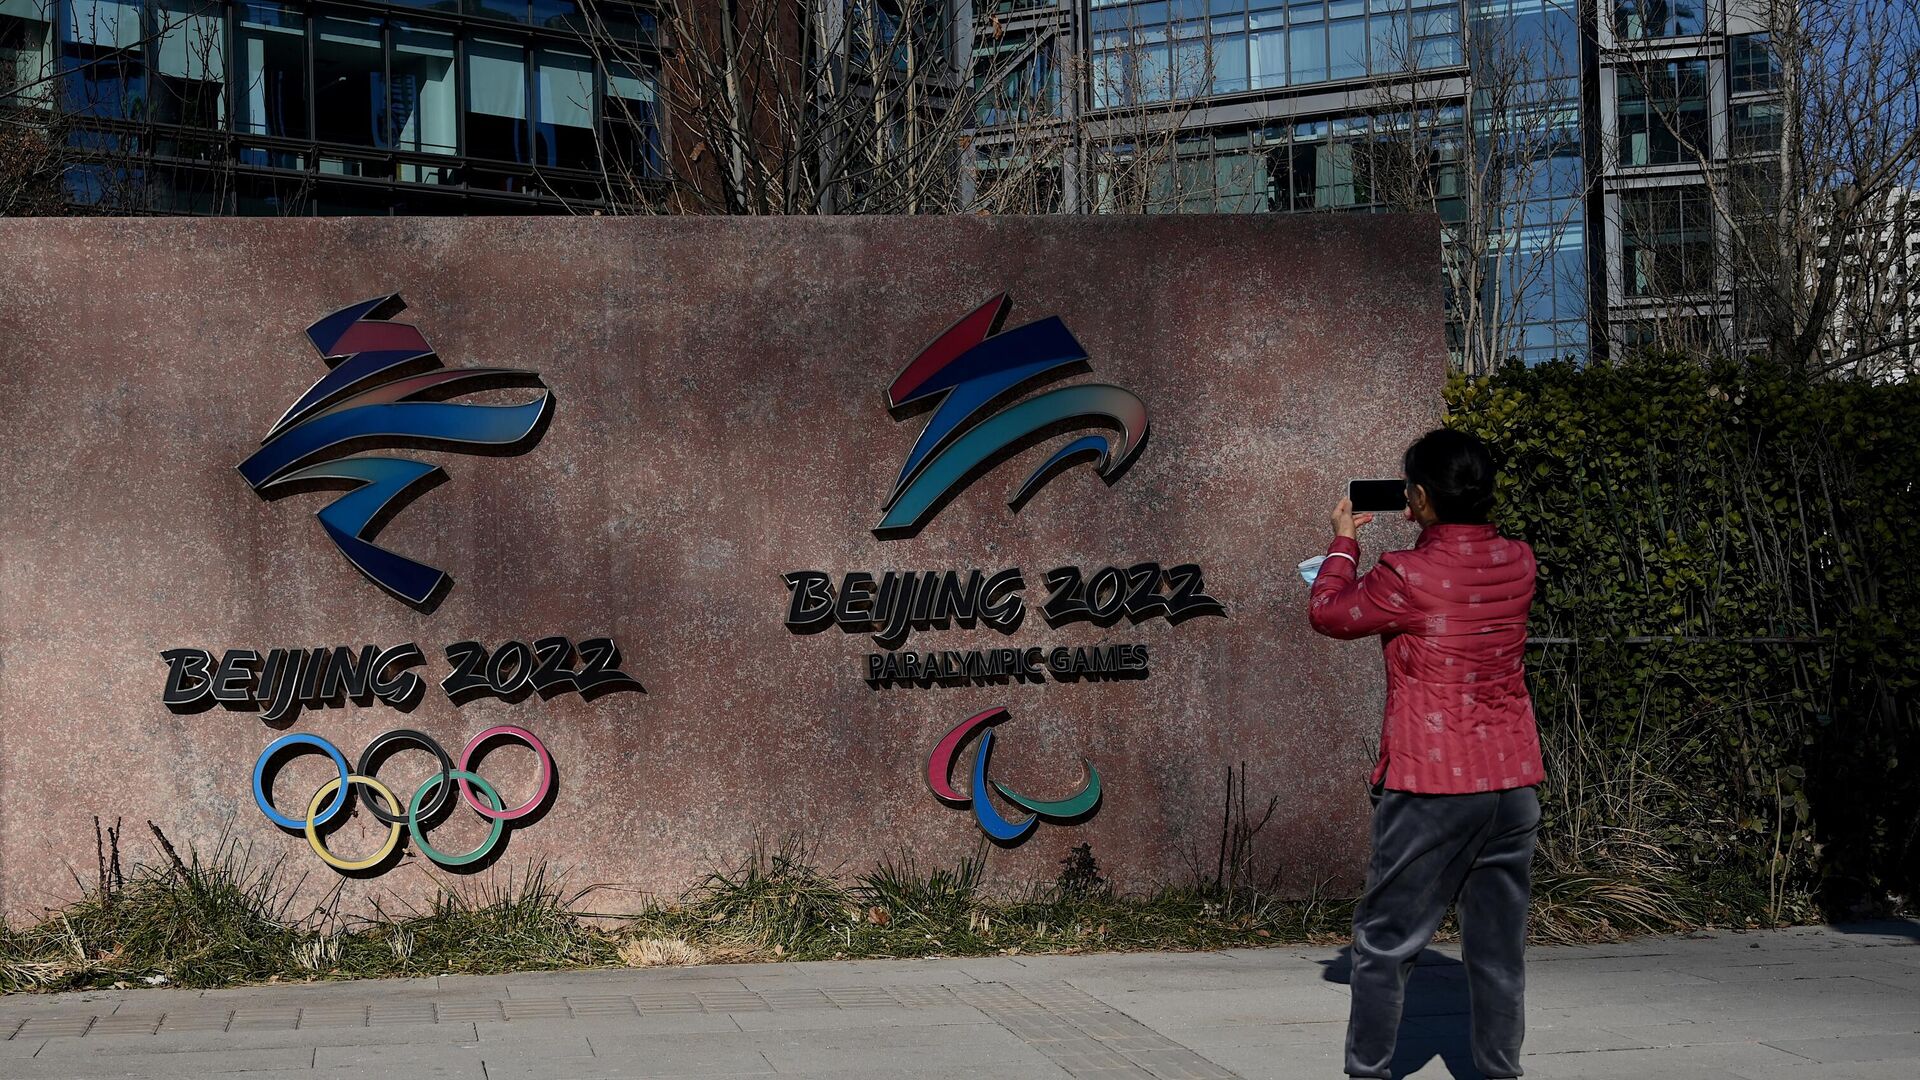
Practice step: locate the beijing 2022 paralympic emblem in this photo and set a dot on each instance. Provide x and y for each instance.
(386, 389)
(969, 369)
(999, 827)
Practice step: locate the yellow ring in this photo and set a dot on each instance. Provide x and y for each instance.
(313, 836)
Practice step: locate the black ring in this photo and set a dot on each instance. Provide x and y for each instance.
(424, 742)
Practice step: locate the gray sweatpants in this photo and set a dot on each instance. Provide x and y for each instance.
(1428, 851)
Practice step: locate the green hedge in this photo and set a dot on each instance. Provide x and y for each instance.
(1731, 550)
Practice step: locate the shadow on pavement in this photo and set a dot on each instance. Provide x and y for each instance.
(1433, 1022)
(1893, 928)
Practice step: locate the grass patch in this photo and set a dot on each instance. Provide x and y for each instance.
(225, 920)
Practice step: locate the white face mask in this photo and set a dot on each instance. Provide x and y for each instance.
(1310, 569)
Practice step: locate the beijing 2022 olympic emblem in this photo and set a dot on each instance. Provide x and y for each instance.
(386, 389)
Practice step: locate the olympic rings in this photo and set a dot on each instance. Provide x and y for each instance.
(427, 801)
(439, 783)
(546, 773)
(260, 771)
(320, 849)
(404, 735)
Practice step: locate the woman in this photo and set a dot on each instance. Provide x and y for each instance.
(1454, 807)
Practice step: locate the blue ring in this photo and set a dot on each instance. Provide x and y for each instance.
(260, 772)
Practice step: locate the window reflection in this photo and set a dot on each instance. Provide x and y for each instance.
(497, 100)
(1663, 113)
(564, 91)
(1635, 20)
(421, 110)
(633, 140)
(270, 46)
(349, 82)
(1667, 242)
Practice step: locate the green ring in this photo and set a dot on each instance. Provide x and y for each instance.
(486, 846)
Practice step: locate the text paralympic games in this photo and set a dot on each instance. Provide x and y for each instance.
(893, 604)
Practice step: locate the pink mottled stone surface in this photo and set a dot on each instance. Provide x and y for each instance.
(720, 420)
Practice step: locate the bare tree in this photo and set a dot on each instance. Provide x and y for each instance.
(796, 107)
(1498, 160)
(91, 127)
(1804, 208)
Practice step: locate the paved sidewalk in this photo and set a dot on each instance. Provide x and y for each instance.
(1827, 1003)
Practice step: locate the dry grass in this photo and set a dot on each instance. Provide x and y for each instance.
(641, 952)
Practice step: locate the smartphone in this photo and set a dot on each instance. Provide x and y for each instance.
(1378, 496)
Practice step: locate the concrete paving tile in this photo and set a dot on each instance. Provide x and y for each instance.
(213, 1041)
(550, 1048)
(20, 1050)
(1229, 1008)
(853, 1019)
(1827, 1027)
(1566, 1067)
(1905, 1069)
(1002, 1070)
(675, 1059)
(185, 1065)
(1899, 980)
(1298, 1062)
(1580, 980)
(871, 973)
(1569, 1039)
(900, 1047)
(552, 984)
(637, 1026)
(1614, 1015)
(1204, 1040)
(460, 1071)
(1883, 1047)
(1660, 1061)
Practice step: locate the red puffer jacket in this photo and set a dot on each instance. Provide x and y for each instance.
(1452, 616)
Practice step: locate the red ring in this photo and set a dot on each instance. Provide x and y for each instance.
(525, 808)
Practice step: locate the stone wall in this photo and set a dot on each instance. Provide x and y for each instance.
(719, 419)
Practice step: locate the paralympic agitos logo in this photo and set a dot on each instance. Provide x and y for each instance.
(386, 389)
(971, 371)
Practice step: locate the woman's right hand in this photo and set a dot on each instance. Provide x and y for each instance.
(1346, 523)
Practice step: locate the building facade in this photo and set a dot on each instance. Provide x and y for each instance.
(1564, 144)
(293, 108)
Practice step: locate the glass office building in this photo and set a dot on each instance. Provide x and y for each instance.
(439, 106)
(1555, 138)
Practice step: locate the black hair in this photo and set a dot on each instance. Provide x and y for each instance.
(1457, 471)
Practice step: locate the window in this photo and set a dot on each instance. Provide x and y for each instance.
(1346, 48)
(633, 133)
(1149, 75)
(270, 46)
(564, 90)
(1663, 113)
(190, 64)
(1388, 53)
(1751, 64)
(1435, 36)
(24, 57)
(1267, 59)
(1667, 241)
(1307, 46)
(497, 101)
(421, 108)
(1637, 20)
(511, 10)
(102, 61)
(349, 82)
(1229, 63)
(1756, 127)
